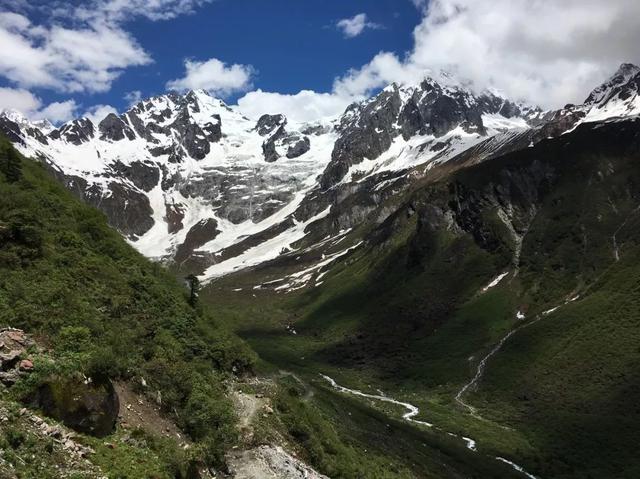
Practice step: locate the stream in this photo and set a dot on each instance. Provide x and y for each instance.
(412, 412)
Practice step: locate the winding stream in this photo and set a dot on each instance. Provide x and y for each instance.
(413, 411)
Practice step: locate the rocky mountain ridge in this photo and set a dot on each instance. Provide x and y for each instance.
(190, 180)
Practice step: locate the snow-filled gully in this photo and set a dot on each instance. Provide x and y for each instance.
(412, 412)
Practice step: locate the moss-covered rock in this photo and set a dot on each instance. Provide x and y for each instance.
(87, 406)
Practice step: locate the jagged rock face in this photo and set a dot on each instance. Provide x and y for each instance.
(269, 123)
(431, 109)
(128, 210)
(11, 130)
(75, 132)
(280, 142)
(144, 176)
(298, 146)
(623, 84)
(198, 235)
(115, 129)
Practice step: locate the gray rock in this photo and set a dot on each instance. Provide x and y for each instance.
(267, 124)
(114, 128)
(299, 148)
(143, 175)
(75, 132)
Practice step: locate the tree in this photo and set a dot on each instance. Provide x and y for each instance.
(194, 286)
(11, 164)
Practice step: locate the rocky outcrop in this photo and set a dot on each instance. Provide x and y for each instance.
(143, 175)
(297, 146)
(198, 235)
(75, 132)
(114, 128)
(14, 359)
(267, 124)
(269, 462)
(86, 405)
(127, 210)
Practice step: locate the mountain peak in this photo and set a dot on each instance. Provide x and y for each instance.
(625, 73)
(15, 116)
(627, 70)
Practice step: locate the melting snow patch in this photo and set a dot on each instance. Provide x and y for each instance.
(268, 250)
(494, 282)
(471, 444)
(516, 467)
(302, 278)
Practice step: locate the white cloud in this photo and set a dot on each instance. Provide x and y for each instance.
(133, 97)
(97, 113)
(63, 59)
(57, 112)
(31, 106)
(546, 52)
(352, 27)
(18, 99)
(121, 10)
(543, 51)
(420, 4)
(214, 76)
(304, 106)
(78, 48)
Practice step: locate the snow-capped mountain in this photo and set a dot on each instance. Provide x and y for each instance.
(615, 98)
(189, 179)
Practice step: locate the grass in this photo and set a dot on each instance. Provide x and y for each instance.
(103, 310)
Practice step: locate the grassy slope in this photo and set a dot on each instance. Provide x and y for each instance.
(566, 384)
(68, 278)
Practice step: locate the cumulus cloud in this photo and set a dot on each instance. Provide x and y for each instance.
(546, 52)
(77, 48)
(352, 27)
(31, 106)
(304, 106)
(214, 76)
(121, 10)
(57, 112)
(65, 59)
(18, 99)
(97, 113)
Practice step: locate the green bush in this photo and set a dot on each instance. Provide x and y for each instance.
(209, 417)
(65, 275)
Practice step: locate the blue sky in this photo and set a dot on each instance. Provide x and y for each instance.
(285, 45)
(293, 45)
(305, 58)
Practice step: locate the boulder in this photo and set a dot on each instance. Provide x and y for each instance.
(87, 406)
(13, 349)
(26, 365)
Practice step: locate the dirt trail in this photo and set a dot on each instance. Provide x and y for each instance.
(264, 461)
